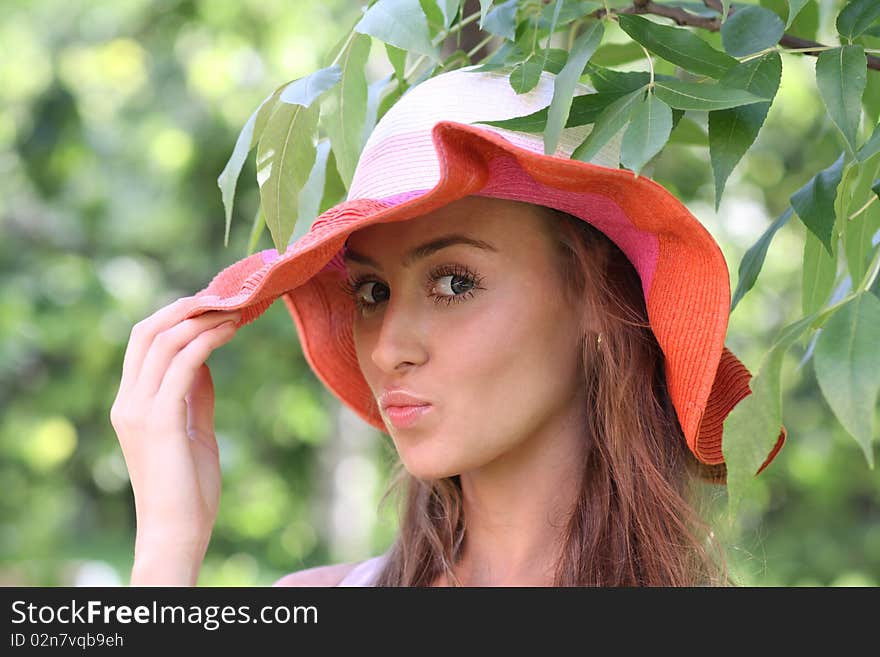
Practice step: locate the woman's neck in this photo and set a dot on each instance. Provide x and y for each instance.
(517, 508)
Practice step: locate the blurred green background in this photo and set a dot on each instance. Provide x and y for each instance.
(115, 121)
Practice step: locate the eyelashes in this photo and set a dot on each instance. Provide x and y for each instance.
(472, 279)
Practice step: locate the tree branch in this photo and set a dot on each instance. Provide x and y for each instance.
(685, 18)
(679, 15)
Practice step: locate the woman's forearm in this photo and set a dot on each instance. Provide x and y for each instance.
(166, 565)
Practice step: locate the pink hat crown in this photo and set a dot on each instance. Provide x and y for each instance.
(399, 160)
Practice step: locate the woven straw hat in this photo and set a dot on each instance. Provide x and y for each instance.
(426, 152)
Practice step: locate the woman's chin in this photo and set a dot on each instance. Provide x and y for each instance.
(425, 465)
(429, 471)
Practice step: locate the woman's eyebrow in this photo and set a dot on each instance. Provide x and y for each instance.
(423, 250)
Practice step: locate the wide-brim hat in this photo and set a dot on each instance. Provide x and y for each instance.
(427, 151)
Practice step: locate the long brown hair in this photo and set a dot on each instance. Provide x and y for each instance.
(634, 522)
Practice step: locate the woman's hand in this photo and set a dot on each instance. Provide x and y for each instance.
(163, 416)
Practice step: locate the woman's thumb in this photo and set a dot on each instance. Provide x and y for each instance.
(200, 408)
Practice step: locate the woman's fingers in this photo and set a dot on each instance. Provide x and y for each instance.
(142, 335)
(166, 345)
(200, 408)
(181, 373)
(164, 419)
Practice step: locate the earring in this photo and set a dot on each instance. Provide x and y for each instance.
(598, 340)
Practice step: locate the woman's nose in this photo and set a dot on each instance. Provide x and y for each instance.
(401, 336)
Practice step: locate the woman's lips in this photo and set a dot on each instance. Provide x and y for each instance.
(403, 417)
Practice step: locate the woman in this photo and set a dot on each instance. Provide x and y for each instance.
(542, 339)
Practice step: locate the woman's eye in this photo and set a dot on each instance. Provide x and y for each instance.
(454, 284)
(370, 287)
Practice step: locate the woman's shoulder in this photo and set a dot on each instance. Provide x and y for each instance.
(318, 576)
(359, 573)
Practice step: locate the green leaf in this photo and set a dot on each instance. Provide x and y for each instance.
(570, 10)
(647, 133)
(847, 364)
(794, 8)
(802, 16)
(606, 79)
(449, 9)
(814, 202)
(752, 428)
(615, 54)
(677, 116)
(871, 99)
(751, 29)
(677, 45)
(526, 76)
(312, 191)
(264, 111)
(331, 55)
(485, 5)
(433, 15)
(308, 89)
(257, 229)
(397, 58)
(820, 270)
(841, 74)
(507, 55)
(374, 98)
(557, 7)
(753, 260)
(857, 17)
(859, 231)
(346, 116)
(565, 83)
(526, 35)
(228, 178)
(334, 188)
(843, 199)
(806, 23)
(285, 156)
(401, 23)
(247, 139)
(732, 131)
(555, 60)
(585, 108)
(703, 95)
(386, 101)
(760, 76)
(607, 124)
(870, 147)
(501, 21)
(859, 237)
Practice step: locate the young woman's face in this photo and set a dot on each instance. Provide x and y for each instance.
(482, 332)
